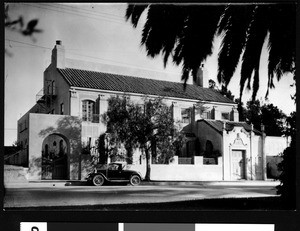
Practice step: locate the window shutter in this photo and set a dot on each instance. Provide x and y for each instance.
(97, 110)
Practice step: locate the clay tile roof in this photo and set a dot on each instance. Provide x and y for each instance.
(130, 84)
(218, 125)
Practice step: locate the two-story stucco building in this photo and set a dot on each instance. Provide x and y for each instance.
(67, 118)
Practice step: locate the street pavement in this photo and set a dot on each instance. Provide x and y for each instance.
(75, 193)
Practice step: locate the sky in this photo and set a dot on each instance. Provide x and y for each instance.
(97, 32)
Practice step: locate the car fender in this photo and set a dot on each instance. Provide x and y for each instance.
(138, 174)
(99, 173)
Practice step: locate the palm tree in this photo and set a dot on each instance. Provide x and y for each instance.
(186, 33)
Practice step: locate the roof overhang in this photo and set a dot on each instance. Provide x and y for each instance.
(154, 96)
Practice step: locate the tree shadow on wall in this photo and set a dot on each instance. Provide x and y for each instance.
(69, 127)
(35, 164)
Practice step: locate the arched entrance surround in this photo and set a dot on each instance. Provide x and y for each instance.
(238, 159)
(55, 157)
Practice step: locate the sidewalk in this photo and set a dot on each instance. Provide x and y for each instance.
(217, 183)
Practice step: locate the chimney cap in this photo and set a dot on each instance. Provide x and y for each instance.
(58, 42)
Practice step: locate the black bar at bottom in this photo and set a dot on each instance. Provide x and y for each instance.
(61, 226)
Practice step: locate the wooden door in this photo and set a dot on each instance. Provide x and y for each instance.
(238, 164)
(60, 168)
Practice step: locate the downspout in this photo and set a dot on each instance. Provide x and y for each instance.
(251, 149)
(223, 146)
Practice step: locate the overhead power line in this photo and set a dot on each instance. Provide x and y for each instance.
(88, 56)
(82, 10)
(85, 15)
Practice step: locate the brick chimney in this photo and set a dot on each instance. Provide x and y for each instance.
(58, 55)
(201, 73)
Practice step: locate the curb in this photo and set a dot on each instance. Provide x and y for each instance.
(37, 184)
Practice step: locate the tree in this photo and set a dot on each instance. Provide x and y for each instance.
(287, 187)
(149, 127)
(253, 113)
(186, 33)
(18, 25)
(227, 93)
(273, 119)
(268, 115)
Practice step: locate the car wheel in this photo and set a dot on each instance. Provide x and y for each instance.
(135, 180)
(98, 180)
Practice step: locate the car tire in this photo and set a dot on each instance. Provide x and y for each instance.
(135, 180)
(98, 180)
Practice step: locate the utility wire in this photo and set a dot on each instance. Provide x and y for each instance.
(72, 13)
(82, 10)
(93, 57)
(79, 10)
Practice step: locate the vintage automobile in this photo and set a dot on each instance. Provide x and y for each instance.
(113, 172)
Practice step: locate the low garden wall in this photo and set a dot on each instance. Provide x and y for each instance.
(183, 172)
(15, 174)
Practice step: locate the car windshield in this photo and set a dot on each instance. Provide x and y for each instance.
(111, 166)
(114, 167)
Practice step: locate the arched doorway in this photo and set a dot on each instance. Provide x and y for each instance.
(55, 150)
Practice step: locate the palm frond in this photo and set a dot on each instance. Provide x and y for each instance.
(134, 11)
(233, 24)
(254, 42)
(282, 41)
(196, 41)
(162, 29)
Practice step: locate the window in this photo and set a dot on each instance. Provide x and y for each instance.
(49, 89)
(185, 115)
(62, 108)
(53, 88)
(88, 110)
(61, 148)
(225, 116)
(206, 115)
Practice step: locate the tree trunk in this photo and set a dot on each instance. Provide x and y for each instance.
(148, 169)
(129, 154)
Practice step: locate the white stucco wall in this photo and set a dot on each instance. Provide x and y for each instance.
(181, 172)
(43, 125)
(61, 90)
(252, 147)
(274, 145)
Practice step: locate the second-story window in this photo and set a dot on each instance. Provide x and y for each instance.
(206, 115)
(185, 115)
(225, 116)
(88, 110)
